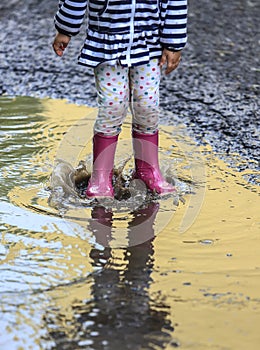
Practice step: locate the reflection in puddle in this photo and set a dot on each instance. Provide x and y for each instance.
(119, 309)
(146, 274)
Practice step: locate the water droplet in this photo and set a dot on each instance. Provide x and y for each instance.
(94, 334)
(85, 342)
(206, 241)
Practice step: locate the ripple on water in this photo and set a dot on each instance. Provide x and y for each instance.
(145, 273)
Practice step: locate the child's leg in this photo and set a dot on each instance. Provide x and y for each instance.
(144, 83)
(113, 99)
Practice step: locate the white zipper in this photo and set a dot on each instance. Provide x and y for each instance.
(131, 37)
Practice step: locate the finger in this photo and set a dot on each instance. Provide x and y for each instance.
(172, 65)
(163, 60)
(59, 48)
(170, 68)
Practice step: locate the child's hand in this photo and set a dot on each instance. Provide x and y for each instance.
(60, 43)
(171, 59)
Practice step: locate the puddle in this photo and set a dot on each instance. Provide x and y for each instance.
(181, 271)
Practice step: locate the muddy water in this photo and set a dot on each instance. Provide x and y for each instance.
(180, 271)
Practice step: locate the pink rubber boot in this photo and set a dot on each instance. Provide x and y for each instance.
(147, 164)
(100, 182)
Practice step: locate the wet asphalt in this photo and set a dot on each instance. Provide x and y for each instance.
(214, 92)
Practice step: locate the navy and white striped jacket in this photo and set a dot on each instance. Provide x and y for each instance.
(127, 31)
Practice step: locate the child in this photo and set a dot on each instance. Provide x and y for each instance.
(127, 43)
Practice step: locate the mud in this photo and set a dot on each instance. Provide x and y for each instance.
(214, 91)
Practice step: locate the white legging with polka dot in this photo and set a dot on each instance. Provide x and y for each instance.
(121, 87)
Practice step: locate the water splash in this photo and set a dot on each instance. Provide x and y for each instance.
(80, 276)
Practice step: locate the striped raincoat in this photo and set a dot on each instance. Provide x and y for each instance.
(129, 32)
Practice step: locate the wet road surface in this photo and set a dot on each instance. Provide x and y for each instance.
(60, 288)
(215, 91)
(156, 275)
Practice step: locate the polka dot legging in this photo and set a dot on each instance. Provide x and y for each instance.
(121, 87)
